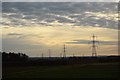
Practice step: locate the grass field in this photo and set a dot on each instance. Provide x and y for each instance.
(96, 70)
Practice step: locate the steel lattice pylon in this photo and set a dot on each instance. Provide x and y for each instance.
(94, 50)
(64, 52)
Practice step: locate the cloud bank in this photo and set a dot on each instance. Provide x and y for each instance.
(57, 14)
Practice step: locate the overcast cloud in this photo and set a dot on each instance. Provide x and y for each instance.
(60, 0)
(77, 14)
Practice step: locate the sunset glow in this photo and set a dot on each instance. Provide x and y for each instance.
(35, 28)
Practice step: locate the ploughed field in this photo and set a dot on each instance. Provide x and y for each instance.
(91, 70)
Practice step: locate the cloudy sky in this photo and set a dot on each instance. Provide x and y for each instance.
(36, 27)
(61, 1)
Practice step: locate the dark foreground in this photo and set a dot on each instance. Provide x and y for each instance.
(19, 66)
(90, 70)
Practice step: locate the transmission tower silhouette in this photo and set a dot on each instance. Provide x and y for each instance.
(64, 51)
(42, 55)
(49, 53)
(94, 47)
(60, 55)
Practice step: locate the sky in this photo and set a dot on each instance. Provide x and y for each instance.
(35, 27)
(61, 1)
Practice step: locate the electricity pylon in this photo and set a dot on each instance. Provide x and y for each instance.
(60, 55)
(93, 42)
(64, 51)
(73, 55)
(42, 55)
(49, 53)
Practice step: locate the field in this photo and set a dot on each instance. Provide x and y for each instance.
(94, 70)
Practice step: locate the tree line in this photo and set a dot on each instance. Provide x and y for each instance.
(21, 59)
(12, 56)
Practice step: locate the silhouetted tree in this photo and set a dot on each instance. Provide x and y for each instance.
(11, 56)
